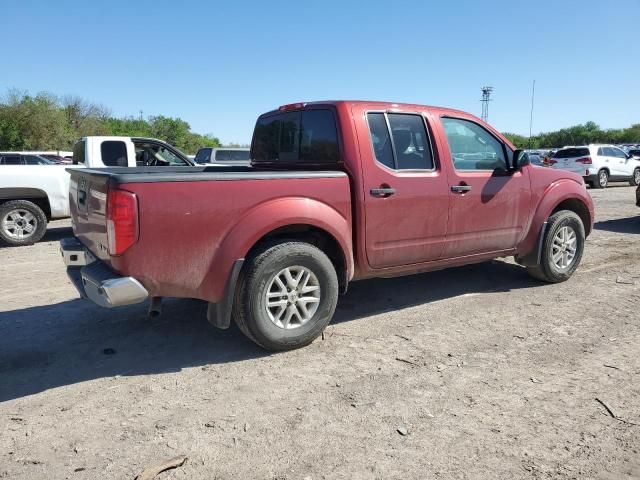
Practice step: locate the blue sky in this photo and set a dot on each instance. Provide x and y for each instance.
(218, 65)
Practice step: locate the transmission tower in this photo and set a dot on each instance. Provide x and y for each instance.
(486, 94)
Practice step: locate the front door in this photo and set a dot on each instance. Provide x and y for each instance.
(620, 160)
(406, 196)
(489, 206)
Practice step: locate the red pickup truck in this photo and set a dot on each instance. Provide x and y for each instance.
(337, 191)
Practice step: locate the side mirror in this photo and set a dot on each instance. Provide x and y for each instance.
(520, 159)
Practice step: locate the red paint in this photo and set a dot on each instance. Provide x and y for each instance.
(191, 233)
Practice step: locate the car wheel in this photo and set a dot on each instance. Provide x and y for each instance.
(286, 296)
(21, 223)
(635, 178)
(562, 248)
(603, 179)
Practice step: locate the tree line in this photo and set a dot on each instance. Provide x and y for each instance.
(48, 122)
(584, 134)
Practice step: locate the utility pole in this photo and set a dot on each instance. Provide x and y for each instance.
(141, 114)
(533, 93)
(486, 94)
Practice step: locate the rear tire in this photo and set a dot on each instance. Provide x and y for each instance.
(287, 294)
(602, 180)
(562, 248)
(21, 223)
(635, 178)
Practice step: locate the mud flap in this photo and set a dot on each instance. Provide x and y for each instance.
(532, 258)
(219, 314)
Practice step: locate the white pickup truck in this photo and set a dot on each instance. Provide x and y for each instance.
(31, 195)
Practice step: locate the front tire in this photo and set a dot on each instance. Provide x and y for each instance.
(286, 296)
(635, 178)
(21, 223)
(562, 248)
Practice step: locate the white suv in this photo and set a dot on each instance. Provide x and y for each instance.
(598, 164)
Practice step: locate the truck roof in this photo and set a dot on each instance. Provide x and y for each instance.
(124, 137)
(377, 103)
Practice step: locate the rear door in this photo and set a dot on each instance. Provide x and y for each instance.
(489, 206)
(405, 191)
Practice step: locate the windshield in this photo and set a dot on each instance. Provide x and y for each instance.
(203, 155)
(151, 154)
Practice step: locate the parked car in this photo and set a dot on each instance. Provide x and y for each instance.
(23, 159)
(634, 152)
(59, 159)
(225, 156)
(598, 164)
(32, 194)
(337, 191)
(535, 158)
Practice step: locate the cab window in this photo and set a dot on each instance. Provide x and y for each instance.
(473, 147)
(400, 141)
(114, 153)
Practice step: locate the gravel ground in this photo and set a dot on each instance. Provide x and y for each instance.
(474, 372)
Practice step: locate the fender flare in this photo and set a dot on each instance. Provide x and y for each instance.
(260, 221)
(530, 248)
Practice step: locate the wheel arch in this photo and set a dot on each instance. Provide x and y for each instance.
(313, 235)
(33, 195)
(578, 207)
(297, 217)
(563, 195)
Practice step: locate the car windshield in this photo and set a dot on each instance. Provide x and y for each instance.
(156, 155)
(203, 155)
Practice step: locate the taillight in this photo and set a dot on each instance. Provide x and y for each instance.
(584, 160)
(550, 161)
(122, 221)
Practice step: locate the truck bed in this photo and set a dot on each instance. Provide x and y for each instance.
(189, 218)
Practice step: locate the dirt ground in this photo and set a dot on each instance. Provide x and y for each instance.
(487, 373)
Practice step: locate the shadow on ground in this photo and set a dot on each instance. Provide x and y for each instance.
(620, 225)
(74, 341)
(53, 234)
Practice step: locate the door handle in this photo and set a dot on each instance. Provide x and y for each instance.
(382, 192)
(460, 188)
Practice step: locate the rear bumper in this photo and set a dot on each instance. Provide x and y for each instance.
(97, 282)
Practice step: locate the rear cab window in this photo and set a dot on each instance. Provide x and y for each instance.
(308, 137)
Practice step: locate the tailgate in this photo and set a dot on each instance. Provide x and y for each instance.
(570, 165)
(88, 207)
